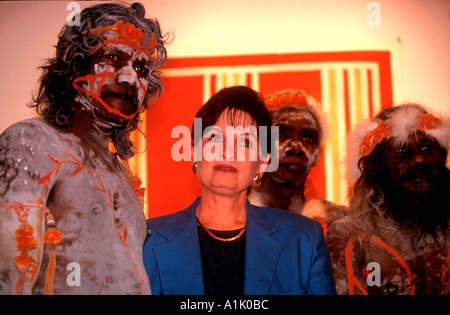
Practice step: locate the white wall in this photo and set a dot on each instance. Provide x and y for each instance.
(417, 31)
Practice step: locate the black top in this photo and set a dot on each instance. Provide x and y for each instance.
(222, 262)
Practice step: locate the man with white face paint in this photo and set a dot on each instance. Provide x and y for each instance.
(118, 73)
(71, 217)
(301, 133)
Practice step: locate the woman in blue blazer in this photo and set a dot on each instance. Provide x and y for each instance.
(222, 244)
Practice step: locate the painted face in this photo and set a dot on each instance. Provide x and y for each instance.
(230, 156)
(299, 146)
(413, 164)
(116, 82)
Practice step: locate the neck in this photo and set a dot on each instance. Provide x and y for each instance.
(96, 132)
(220, 212)
(282, 195)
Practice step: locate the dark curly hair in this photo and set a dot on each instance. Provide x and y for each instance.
(56, 94)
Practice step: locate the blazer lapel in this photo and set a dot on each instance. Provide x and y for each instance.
(262, 253)
(181, 274)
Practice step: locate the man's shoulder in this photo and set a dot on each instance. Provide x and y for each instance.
(344, 229)
(26, 138)
(33, 128)
(326, 209)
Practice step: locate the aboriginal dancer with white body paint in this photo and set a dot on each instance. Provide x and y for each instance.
(71, 221)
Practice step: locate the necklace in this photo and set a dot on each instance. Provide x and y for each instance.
(220, 238)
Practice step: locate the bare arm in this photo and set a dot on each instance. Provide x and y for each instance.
(22, 208)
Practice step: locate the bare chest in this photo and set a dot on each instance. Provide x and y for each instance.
(102, 224)
(409, 267)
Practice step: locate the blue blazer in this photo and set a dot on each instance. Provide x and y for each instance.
(285, 253)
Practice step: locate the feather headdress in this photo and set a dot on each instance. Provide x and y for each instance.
(299, 99)
(396, 123)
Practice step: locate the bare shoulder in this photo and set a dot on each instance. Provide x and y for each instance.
(322, 208)
(23, 148)
(23, 126)
(27, 133)
(341, 229)
(33, 139)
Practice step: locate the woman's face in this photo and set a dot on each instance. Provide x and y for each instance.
(230, 156)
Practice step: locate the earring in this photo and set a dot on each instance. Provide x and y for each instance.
(257, 179)
(194, 168)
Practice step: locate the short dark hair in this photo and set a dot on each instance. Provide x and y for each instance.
(238, 100)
